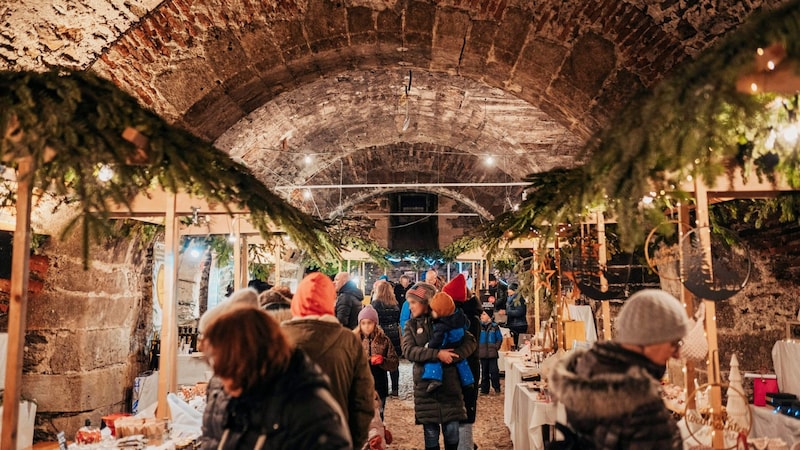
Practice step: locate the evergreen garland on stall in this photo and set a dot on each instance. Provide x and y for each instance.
(694, 124)
(71, 123)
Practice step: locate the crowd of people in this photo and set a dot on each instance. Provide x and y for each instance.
(314, 368)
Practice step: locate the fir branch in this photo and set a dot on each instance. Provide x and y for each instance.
(82, 117)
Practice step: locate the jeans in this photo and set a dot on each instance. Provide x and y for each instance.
(449, 431)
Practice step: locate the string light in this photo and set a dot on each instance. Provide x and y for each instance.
(105, 173)
(308, 160)
(489, 160)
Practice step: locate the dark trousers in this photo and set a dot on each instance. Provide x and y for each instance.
(489, 372)
(395, 377)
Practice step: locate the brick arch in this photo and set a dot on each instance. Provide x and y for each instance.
(208, 65)
(360, 111)
(405, 163)
(366, 195)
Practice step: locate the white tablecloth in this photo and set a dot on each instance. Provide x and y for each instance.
(506, 357)
(515, 367)
(774, 425)
(786, 358)
(529, 414)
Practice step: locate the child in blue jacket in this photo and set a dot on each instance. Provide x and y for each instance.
(449, 325)
(488, 347)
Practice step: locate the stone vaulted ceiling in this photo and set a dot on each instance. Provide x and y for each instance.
(378, 92)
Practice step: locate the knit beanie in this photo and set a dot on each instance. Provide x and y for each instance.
(457, 288)
(315, 296)
(421, 292)
(442, 304)
(651, 316)
(368, 312)
(244, 296)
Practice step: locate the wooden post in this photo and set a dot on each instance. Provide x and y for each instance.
(168, 359)
(243, 262)
(18, 303)
(715, 398)
(686, 296)
(537, 299)
(237, 257)
(603, 261)
(559, 303)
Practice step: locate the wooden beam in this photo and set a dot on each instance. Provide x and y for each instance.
(735, 186)
(151, 203)
(18, 304)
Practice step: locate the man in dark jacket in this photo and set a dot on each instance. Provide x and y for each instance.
(400, 289)
(611, 392)
(348, 300)
(499, 290)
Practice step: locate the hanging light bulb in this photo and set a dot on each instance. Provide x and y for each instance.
(308, 160)
(105, 173)
(307, 194)
(489, 160)
(231, 238)
(769, 143)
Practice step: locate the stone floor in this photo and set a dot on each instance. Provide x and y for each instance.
(489, 430)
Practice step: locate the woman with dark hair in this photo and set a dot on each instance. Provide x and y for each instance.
(270, 396)
(388, 310)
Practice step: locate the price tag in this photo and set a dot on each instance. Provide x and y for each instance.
(62, 441)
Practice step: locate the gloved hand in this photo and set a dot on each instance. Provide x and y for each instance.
(376, 360)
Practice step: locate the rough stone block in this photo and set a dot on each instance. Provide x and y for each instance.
(77, 310)
(77, 392)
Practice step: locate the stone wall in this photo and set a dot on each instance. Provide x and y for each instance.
(87, 334)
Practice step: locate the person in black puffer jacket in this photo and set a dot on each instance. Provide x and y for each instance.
(471, 306)
(384, 302)
(265, 393)
(348, 300)
(517, 313)
(442, 409)
(612, 392)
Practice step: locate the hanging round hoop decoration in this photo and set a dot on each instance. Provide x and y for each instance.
(654, 261)
(583, 272)
(733, 430)
(730, 264)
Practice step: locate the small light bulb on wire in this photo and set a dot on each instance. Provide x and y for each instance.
(105, 173)
(308, 160)
(489, 160)
(307, 194)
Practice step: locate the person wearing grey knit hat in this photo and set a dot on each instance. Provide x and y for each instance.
(655, 322)
(442, 409)
(611, 392)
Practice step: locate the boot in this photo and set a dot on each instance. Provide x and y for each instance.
(465, 436)
(450, 446)
(432, 448)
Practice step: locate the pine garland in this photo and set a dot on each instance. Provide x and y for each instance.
(694, 123)
(82, 117)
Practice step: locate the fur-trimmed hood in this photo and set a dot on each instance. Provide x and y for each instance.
(604, 382)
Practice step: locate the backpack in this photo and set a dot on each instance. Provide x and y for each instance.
(572, 440)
